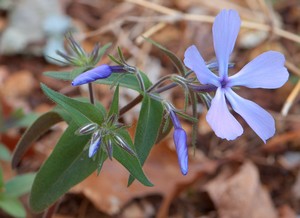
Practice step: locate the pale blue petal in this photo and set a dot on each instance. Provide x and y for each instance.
(180, 137)
(257, 118)
(265, 71)
(221, 120)
(194, 61)
(225, 31)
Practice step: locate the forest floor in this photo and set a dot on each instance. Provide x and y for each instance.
(243, 178)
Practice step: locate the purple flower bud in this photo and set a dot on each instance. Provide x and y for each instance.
(95, 143)
(175, 120)
(100, 72)
(179, 138)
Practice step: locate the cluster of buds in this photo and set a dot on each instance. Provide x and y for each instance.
(105, 136)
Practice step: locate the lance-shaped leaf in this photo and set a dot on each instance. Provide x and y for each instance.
(4, 153)
(67, 165)
(129, 161)
(67, 75)
(128, 80)
(147, 128)
(81, 112)
(38, 128)
(19, 185)
(114, 107)
(12, 206)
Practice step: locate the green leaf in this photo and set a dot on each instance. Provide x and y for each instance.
(26, 120)
(114, 107)
(39, 127)
(67, 76)
(4, 153)
(130, 162)
(19, 185)
(113, 59)
(128, 80)
(164, 128)
(67, 165)
(59, 75)
(81, 112)
(12, 206)
(74, 73)
(101, 157)
(176, 61)
(147, 129)
(1, 180)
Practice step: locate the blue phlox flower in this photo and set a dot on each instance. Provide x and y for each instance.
(180, 139)
(265, 71)
(100, 72)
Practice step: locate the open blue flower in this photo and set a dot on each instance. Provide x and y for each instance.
(265, 71)
(100, 72)
(180, 138)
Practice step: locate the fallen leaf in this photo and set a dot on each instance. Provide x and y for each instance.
(239, 194)
(109, 193)
(19, 84)
(285, 211)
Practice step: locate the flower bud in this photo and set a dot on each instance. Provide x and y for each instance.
(100, 72)
(95, 143)
(179, 138)
(87, 129)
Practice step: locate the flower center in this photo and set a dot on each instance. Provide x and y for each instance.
(224, 82)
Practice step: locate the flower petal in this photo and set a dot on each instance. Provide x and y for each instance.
(179, 137)
(194, 61)
(221, 120)
(257, 118)
(265, 71)
(96, 73)
(225, 31)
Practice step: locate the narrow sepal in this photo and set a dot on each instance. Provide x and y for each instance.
(87, 129)
(122, 143)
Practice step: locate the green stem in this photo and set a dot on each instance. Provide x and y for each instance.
(91, 93)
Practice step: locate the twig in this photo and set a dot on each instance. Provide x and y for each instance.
(210, 19)
(290, 100)
(150, 32)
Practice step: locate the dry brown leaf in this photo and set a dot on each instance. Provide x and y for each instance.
(109, 192)
(279, 142)
(285, 211)
(19, 84)
(240, 194)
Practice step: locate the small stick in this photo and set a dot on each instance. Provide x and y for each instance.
(290, 100)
